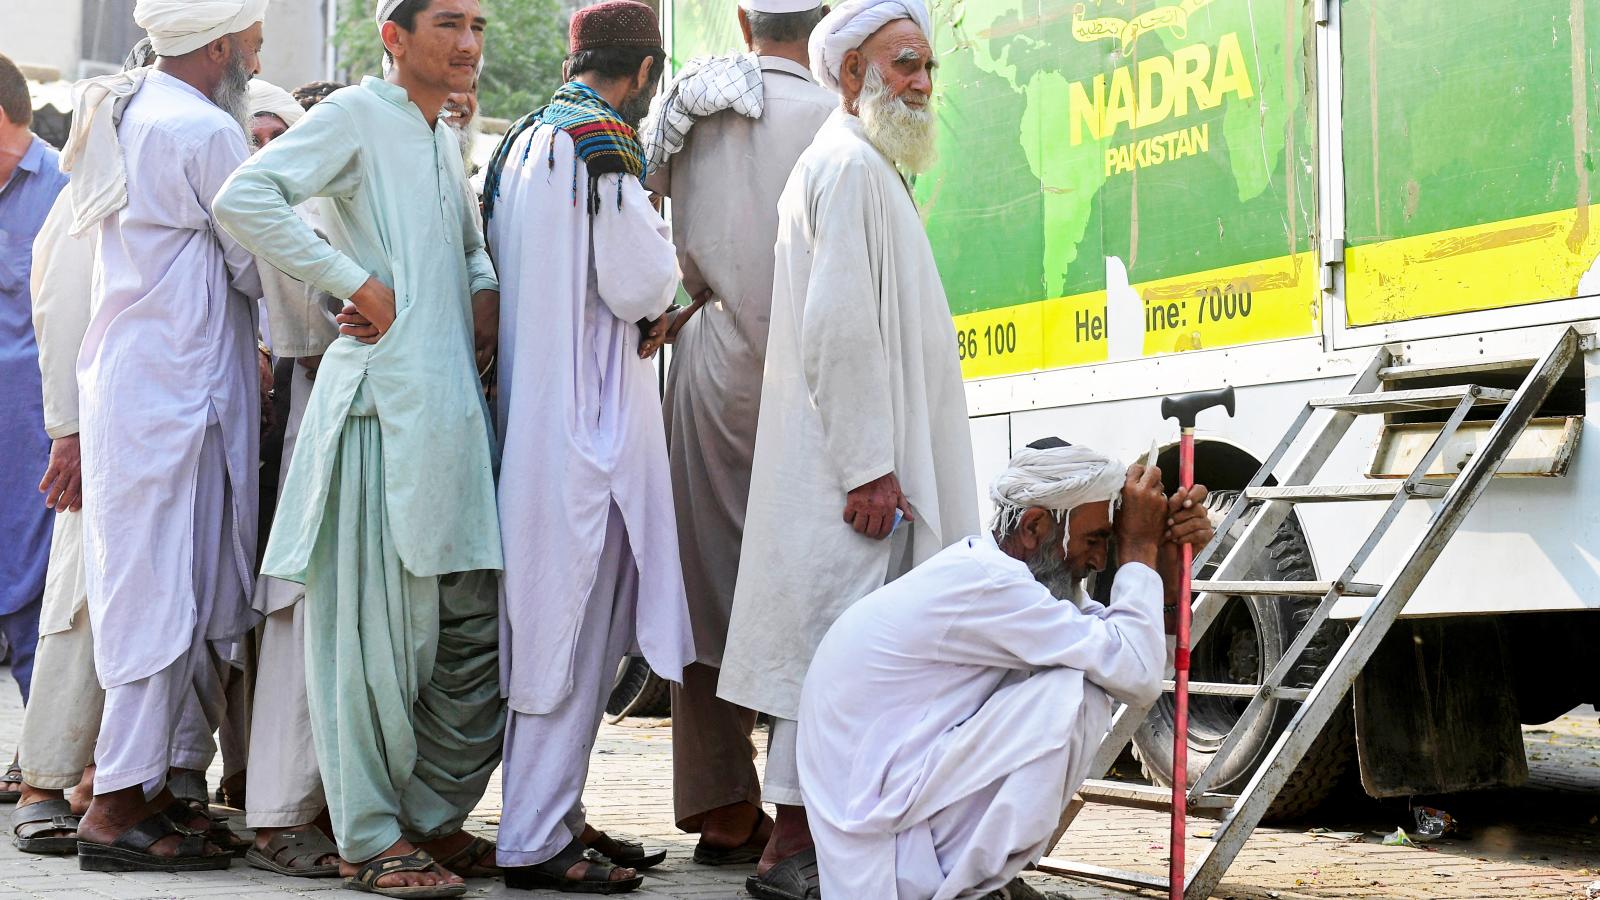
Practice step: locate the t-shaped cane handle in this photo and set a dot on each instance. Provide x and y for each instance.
(1185, 407)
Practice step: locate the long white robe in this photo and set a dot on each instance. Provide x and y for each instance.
(862, 378)
(949, 717)
(579, 416)
(170, 348)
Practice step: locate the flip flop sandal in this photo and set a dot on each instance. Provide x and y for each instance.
(13, 776)
(627, 854)
(794, 878)
(748, 852)
(295, 853)
(181, 811)
(48, 827)
(468, 862)
(366, 877)
(553, 874)
(130, 852)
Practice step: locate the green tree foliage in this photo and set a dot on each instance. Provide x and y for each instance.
(523, 49)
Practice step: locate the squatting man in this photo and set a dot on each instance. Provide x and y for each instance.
(949, 717)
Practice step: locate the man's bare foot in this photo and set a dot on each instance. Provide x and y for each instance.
(734, 825)
(83, 794)
(477, 864)
(109, 816)
(31, 795)
(195, 820)
(791, 833)
(432, 878)
(581, 869)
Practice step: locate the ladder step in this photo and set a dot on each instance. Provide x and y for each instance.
(1411, 401)
(1073, 869)
(1333, 493)
(1285, 588)
(1150, 796)
(1223, 689)
(1517, 366)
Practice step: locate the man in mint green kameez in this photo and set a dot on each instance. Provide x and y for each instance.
(388, 511)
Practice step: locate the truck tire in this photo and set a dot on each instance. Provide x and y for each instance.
(638, 691)
(1241, 647)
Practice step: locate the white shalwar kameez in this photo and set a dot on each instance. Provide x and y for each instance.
(591, 553)
(168, 387)
(949, 717)
(862, 379)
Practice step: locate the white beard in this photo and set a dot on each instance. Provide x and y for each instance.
(233, 94)
(903, 134)
(468, 136)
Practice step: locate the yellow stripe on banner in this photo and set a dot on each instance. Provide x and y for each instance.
(1251, 302)
(1499, 264)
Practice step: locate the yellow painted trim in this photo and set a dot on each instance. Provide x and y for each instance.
(1268, 300)
(1491, 266)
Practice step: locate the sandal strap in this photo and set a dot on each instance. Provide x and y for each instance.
(13, 773)
(470, 854)
(148, 831)
(303, 846)
(43, 811)
(573, 853)
(180, 811)
(377, 867)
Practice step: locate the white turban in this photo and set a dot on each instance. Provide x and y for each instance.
(850, 24)
(1059, 479)
(180, 26)
(266, 97)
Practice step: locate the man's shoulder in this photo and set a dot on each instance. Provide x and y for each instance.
(172, 112)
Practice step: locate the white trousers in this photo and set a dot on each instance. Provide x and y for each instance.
(547, 756)
(283, 784)
(167, 720)
(58, 735)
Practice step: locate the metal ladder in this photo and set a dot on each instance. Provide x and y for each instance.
(1241, 814)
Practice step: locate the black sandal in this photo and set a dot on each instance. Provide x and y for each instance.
(13, 776)
(366, 877)
(181, 811)
(468, 862)
(49, 827)
(625, 853)
(794, 878)
(552, 873)
(748, 852)
(130, 852)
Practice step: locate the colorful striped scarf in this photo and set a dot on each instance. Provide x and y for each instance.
(606, 144)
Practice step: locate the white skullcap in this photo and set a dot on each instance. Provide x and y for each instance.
(266, 97)
(1059, 479)
(780, 6)
(850, 24)
(177, 27)
(385, 10)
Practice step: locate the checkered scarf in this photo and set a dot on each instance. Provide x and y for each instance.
(706, 85)
(606, 144)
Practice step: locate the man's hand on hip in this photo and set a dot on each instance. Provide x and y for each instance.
(870, 508)
(369, 314)
(62, 484)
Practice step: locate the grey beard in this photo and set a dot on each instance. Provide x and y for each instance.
(903, 134)
(467, 135)
(1051, 571)
(233, 93)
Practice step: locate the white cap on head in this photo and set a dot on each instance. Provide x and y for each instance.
(266, 97)
(780, 6)
(385, 10)
(1054, 475)
(849, 26)
(177, 27)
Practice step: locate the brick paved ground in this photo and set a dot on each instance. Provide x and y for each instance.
(1537, 842)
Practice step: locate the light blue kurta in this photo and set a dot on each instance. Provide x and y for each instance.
(397, 209)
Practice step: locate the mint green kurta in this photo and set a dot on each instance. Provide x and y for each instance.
(398, 209)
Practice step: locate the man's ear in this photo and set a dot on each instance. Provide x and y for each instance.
(853, 71)
(744, 29)
(389, 33)
(1035, 528)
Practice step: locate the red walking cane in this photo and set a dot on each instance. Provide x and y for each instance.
(1184, 408)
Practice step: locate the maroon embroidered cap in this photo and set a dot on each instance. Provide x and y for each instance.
(614, 23)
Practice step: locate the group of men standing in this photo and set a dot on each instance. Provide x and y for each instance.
(452, 575)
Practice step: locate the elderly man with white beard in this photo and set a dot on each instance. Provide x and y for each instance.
(863, 459)
(949, 717)
(168, 388)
